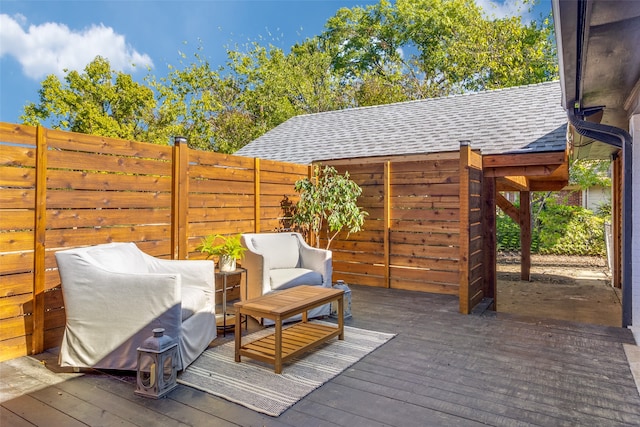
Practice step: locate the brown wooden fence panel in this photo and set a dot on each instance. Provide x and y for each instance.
(17, 238)
(360, 258)
(424, 230)
(472, 258)
(411, 236)
(60, 190)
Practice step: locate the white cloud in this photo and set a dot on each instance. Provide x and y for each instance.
(51, 48)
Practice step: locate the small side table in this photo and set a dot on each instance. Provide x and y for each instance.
(228, 317)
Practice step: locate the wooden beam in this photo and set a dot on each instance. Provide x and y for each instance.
(513, 183)
(528, 171)
(525, 235)
(540, 185)
(507, 208)
(523, 159)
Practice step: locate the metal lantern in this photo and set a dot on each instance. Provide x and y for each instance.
(347, 300)
(157, 365)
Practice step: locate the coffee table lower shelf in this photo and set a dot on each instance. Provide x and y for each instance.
(295, 340)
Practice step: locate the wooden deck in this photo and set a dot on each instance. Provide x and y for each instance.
(442, 369)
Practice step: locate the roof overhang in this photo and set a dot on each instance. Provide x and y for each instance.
(599, 58)
(528, 172)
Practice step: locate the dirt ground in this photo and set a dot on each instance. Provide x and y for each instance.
(561, 287)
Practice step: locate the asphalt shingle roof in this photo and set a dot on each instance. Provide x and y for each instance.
(522, 119)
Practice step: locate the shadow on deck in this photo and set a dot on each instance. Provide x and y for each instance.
(442, 369)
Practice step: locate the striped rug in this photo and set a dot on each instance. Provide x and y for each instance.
(254, 384)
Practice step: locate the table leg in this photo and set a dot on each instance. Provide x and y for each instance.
(278, 349)
(238, 335)
(341, 317)
(224, 305)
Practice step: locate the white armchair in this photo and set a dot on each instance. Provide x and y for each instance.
(277, 261)
(115, 295)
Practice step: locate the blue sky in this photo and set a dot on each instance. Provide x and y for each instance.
(38, 38)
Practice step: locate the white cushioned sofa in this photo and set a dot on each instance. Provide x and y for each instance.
(277, 261)
(115, 295)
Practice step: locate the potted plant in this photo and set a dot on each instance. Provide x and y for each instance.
(227, 248)
(327, 204)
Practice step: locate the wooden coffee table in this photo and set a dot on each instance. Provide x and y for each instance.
(285, 344)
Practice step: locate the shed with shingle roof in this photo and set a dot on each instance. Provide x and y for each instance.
(431, 172)
(523, 119)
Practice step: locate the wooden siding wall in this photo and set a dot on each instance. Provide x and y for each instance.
(424, 218)
(60, 190)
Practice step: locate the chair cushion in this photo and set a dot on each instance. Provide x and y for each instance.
(284, 278)
(282, 249)
(119, 257)
(193, 301)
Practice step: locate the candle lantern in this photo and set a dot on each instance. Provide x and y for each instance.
(157, 365)
(347, 300)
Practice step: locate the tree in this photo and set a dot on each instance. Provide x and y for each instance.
(441, 47)
(328, 203)
(99, 101)
(587, 173)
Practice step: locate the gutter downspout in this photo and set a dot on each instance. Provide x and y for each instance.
(619, 138)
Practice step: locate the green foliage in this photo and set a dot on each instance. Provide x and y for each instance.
(587, 173)
(571, 230)
(328, 202)
(98, 101)
(228, 245)
(558, 230)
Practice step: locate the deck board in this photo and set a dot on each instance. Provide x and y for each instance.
(442, 368)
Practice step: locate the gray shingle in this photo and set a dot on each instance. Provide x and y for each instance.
(519, 119)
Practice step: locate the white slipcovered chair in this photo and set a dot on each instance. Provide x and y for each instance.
(115, 295)
(277, 261)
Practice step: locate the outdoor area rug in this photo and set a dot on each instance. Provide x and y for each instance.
(254, 384)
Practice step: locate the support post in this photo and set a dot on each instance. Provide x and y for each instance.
(525, 235)
(387, 223)
(179, 199)
(256, 196)
(489, 239)
(39, 249)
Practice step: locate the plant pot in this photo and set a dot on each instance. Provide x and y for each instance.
(227, 263)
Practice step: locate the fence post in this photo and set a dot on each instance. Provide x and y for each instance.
(525, 235)
(463, 294)
(387, 223)
(39, 241)
(179, 199)
(256, 198)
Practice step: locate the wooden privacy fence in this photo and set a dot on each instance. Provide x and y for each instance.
(425, 226)
(61, 190)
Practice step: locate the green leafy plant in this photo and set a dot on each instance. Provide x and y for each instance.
(219, 245)
(558, 229)
(328, 203)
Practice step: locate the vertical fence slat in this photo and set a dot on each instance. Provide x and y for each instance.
(465, 153)
(387, 223)
(257, 192)
(37, 343)
(180, 199)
